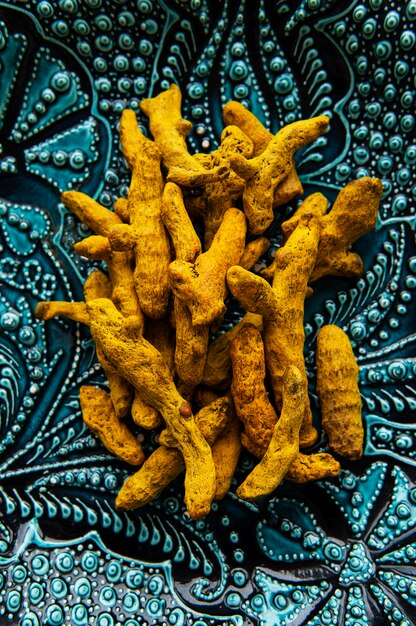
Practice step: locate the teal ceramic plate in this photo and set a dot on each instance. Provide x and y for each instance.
(340, 551)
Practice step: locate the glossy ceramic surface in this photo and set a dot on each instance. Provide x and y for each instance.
(341, 551)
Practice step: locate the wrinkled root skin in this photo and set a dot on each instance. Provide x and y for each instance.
(165, 464)
(99, 415)
(144, 367)
(338, 392)
(249, 393)
(284, 444)
(202, 285)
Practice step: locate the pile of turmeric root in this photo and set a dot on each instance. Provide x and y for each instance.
(153, 314)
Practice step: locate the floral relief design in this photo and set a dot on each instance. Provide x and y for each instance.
(370, 566)
(337, 552)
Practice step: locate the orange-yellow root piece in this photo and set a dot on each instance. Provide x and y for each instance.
(75, 311)
(97, 285)
(146, 232)
(170, 130)
(284, 444)
(226, 452)
(191, 341)
(99, 415)
(217, 370)
(144, 367)
(353, 214)
(253, 251)
(144, 415)
(314, 205)
(102, 220)
(282, 308)
(178, 223)
(250, 397)
(90, 212)
(121, 208)
(235, 113)
(220, 195)
(165, 464)
(265, 172)
(308, 467)
(94, 247)
(202, 285)
(338, 391)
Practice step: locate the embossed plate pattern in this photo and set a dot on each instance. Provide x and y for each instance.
(340, 551)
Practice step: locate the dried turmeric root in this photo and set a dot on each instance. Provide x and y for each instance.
(146, 233)
(191, 341)
(235, 113)
(337, 386)
(217, 370)
(202, 285)
(165, 464)
(314, 205)
(98, 414)
(170, 130)
(226, 453)
(102, 220)
(221, 195)
(252, 404)
(308, 467)
(97, 285)
(144, 367)
(265, 172)
(284, 444)
(282, 308)
(353, 214)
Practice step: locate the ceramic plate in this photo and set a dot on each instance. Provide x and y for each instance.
(339, 551)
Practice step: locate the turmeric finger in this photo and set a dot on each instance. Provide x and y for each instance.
(76, 311)
(141, 488)
(226, 453)
(353, 214)
(170, 130)
(144, 415)
(314, 205)
(144, 367)
(253, 251)
(235, 113)
(90, 212)
(338, 392)
(94, 247)
(264, 172)
(191, 348)
(250, 397)
(146, 231)
(202, 284)
(284, 444)
(191, 341)
(307, 467)
(98, 414)
(282, 308)
(177, 221)
(217, 370)
(96, 286)
(221, 195)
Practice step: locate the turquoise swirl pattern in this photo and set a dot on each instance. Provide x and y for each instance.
(340, 551)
